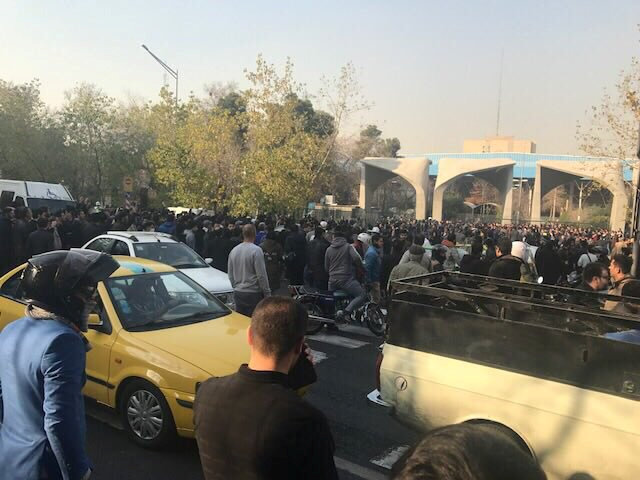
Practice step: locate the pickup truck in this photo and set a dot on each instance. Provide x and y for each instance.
(531, 360)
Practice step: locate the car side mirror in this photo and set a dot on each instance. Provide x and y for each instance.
(95, 322)
(209, 261)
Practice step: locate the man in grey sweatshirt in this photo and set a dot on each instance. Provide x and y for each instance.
(247, 273)
(340, 262)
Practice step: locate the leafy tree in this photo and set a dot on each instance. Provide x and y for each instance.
(612, 127)
(31, 142)
(371, 144)
(195, 150)
(87, 117)
(278, 170)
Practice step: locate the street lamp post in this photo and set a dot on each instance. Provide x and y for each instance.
(170, 71)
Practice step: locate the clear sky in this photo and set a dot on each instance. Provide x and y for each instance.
(430, 68)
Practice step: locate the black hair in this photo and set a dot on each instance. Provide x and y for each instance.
(624, 262)
(504, 244)
(468, 451)
(592, 270)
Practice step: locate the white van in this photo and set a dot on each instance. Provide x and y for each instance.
(35, 194)
(534, 361)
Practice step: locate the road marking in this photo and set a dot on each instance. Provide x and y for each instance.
(337, 340)
(357, 470)
(318, 356)
(389, 457)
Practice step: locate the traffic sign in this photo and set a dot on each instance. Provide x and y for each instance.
(127, 184)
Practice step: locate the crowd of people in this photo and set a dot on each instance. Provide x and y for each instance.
(282, 436)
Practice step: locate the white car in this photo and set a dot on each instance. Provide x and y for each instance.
(163, 248)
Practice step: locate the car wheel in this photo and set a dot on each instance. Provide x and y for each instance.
(146, 415)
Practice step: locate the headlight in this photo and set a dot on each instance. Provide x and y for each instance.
(227, 299)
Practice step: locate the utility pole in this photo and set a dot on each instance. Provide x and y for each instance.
(170, 71)
(636, 215)
(499, 94)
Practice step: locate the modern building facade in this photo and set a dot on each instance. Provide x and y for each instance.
(499, 169)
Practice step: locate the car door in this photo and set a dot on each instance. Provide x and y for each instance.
(12, 305)
(102, 340)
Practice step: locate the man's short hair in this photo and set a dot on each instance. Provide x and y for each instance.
(249, 231)
(43, 222)
(418, 239)
(278, 324)
(592, 270)
(375, 237)
(504, 244)
(623, 261)
(468, 451)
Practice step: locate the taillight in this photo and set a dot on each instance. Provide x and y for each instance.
(378, 365)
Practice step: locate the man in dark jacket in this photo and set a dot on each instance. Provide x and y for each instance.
(340, 262)
(70, 230)
(595, 278)
(252, 424)
(295, 255)
(473, 262)
(506, 265)
(40, 241)
(6, 250)
(21, 231)
(317, 249)
(548, 263)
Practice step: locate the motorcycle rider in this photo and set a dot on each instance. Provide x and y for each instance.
(42, 368)
(340, 261)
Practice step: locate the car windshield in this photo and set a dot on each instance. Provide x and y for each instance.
(177, 255)
(156, 301)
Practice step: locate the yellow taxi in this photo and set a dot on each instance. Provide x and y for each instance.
(156, 335)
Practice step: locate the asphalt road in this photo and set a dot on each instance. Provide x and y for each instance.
(366, 436)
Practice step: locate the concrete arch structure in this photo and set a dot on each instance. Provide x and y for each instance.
(553, 173)
(496, 171)
(376, 171)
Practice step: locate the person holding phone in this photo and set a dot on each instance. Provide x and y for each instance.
(253, 424)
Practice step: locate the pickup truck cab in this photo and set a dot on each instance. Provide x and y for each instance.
(530, 359)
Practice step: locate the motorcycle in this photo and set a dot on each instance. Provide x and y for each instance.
(323, 306)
